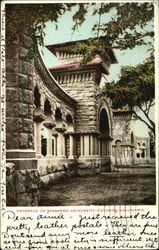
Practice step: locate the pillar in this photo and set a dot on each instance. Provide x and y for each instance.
(110, 147)
(55, 143)
(49, 142)
(38, 119)
(99, 147)
(60, 142)
(148, 149)
(82, 144)
(92, 145)
(96, 146)
(49, 126)
(86, 145)
(71, 156)
(19, 121)
(38, 139)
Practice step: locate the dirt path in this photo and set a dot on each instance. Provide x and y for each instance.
(106, 189)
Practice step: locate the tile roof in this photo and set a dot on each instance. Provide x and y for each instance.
(75, 64)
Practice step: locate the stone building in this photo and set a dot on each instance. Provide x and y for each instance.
(60, 108)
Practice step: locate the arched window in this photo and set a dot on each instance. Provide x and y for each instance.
(69, 119)
(132, 138)
(138, 155)
(47, 108)
(36, 97)
(104, 130)
(117, 143)
(58, 115)
(143, 153)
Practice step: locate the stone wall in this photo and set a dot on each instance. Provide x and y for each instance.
(88, 166)
(22, 186)
(19, 98)
(83, 86)
(54, 170)
(19, 124)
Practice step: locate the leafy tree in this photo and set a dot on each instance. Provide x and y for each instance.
(134, 89)
(32, 18)
(131, 25)
(126, 29)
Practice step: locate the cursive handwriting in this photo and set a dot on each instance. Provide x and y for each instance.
(79, 230)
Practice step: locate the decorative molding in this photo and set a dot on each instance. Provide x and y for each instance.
(74, 77)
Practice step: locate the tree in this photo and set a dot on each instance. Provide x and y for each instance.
(32, 18)
(131, 25)
(126, 28)
(135, 89)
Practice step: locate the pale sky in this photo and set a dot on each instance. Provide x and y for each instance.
(64, 34)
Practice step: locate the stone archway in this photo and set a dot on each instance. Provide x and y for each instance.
(104, 140)
(104, 133)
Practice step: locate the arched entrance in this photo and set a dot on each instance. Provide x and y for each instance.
(104, 133)
(104, 140)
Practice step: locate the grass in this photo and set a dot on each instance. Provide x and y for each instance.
(105, 189)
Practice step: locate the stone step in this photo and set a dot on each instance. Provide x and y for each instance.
(144, 170)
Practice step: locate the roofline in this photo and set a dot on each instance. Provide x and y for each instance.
(93, 62)
(52, 47)
(66, 67)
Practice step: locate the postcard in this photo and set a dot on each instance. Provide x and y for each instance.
(79, 124)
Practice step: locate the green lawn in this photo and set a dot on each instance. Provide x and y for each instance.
(114, 188)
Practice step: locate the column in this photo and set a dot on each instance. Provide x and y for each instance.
(96, 146)
(99, 147)
(71, 156)
(110, 147)
(92, 145)
(103, 147)
(60, 142)
(148, 149)
(38, 139)
(82, 145)
(49, 142)
(55, 143)
(38, 119)
(49, 126)
(86, 145)
(107, 147)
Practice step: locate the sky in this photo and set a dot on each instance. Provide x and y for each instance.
(64, 33)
